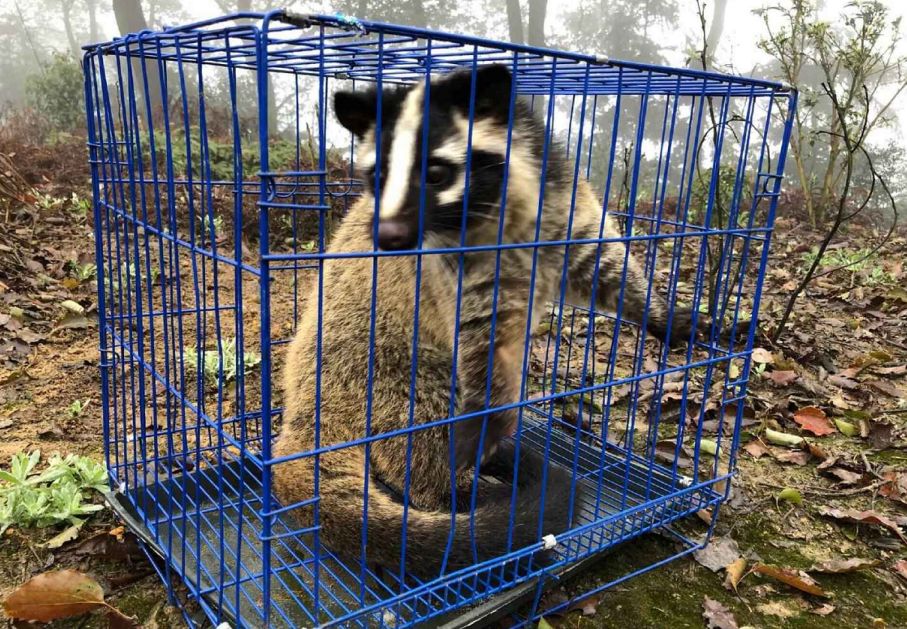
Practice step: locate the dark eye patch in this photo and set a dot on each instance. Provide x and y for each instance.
(439, 173)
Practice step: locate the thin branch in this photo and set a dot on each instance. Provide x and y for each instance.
(839, 219)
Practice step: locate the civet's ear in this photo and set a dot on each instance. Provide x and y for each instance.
(493, 85)
(356, 110)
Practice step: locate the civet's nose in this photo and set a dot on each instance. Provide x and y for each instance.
(394, 235)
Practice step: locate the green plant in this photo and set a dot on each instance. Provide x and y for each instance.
(132, 274)
(220, 153)
(48, 202)
(207, 224)
(220, 364)
(79, 205)
(725, 186)
(58, 92)
(879, 276)
(83, 272)
(53, 496)
(78, 407)
(863, 261)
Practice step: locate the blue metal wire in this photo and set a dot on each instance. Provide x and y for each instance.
(188, 424)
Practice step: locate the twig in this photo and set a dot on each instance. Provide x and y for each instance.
(841, 116)
(827, 491)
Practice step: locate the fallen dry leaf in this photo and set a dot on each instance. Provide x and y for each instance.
(845, 476)
(895, 486)
(762, 355)
(72, 321)
(118, 620)
(880, 435)
(885, 387)
(717, 616)
(781, 378)
(843, 381)
(776, 608)
(756, 449)
(28, 336)
(68, 534)
(864, 517)
(586, 605)
(797, 457)
(735, 571)
(720, 552)
(665, 450)
(814, 420)
(843, 566)
(53, 595)
(823, 610)
(900, 568)
(816, 450)
(800, 581)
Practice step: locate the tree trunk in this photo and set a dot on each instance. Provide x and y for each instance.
(537, 9)
(716, 28)
(66, 9)
(131, 19)
(94, 34)
(515, 21)
(419, 18)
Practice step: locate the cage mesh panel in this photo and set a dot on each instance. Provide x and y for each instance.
(219, 174)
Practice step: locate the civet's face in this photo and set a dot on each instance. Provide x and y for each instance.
(398, 188)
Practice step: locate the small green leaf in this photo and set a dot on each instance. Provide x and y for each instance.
(789, 494)
(9, 478)
(847, 428)
(782, 438)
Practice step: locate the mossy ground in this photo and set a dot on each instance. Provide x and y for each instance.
(41, 377)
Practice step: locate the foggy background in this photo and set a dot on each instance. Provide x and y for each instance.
(652, 31)
(41, 42)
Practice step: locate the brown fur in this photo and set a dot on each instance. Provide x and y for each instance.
(345, 344)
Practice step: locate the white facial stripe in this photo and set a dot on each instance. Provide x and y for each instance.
(402, 154)
(453, 194)
(365, 152)
(486, 135)
(453, 150)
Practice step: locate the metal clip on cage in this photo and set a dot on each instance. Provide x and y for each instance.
(219, 174)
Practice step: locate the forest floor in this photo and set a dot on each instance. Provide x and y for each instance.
(839, 539)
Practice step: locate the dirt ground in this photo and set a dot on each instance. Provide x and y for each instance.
(845, 354)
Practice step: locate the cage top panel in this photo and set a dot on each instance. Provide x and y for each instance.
(349, 48)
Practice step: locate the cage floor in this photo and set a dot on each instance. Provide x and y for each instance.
(206, 526)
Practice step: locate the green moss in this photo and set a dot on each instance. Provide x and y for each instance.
(672, 596)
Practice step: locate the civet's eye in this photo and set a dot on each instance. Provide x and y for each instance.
(438, 174)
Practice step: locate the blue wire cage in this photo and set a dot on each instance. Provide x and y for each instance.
(219, 173)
